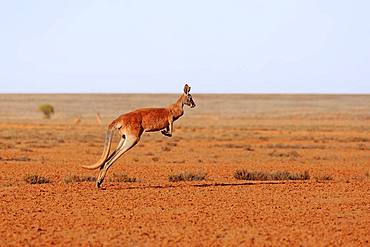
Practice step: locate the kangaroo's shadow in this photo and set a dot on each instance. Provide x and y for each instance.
(183, 185)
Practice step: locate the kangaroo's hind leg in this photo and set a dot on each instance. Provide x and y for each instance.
(128, 143)
(119, 146)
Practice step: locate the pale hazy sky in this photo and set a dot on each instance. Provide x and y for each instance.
(301, 46)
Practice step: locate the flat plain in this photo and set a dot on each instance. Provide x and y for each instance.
(326, 135)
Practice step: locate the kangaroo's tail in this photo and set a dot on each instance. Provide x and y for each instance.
(104, 156)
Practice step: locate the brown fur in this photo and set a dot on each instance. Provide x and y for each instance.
(149, 119)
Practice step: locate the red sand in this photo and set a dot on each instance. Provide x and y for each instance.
(325, 135)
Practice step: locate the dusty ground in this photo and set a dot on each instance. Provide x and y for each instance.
(325, 135)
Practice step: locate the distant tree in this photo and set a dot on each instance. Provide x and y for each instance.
(47, 110)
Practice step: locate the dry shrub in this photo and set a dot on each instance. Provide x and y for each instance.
(291, 154)
(187, 176)
(20, 159)
(263, 138)
(231, 145)
(294, 146)
(178, 162)
(266, 176)
(122, 178)
(36, 179)
(323, 177)
(47, 110)
(362, 146)
(79, 179)
(248, 148)
(166, 149)
(356, 139)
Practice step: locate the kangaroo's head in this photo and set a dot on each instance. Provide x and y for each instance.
(188, 99)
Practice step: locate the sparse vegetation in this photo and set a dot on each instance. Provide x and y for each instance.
(249, 148)
(47, 110)
(265, 176)
(155, 159)
(187, 176)
(362, 146)
(166, 149)
(79, 179)
(291, 154)
(36, 179)
(263, 138)
(20, 159)
(236, 146)
(231, 145)
(356, 139)
(294, 146)
(323, 177)
(122, 178)
(178, 162)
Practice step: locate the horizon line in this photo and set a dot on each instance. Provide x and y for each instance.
(201, 93)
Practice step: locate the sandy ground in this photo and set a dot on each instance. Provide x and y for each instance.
(326, 135)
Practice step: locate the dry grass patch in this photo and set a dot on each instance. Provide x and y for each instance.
(294, 146)
(122, 178)
(155, 159)
(166, 149)
(249, 148)
(235, 146)
(231, 145)
(291, 154)
(187, 176)
(356, 139)
(79, 179)
(36, 179)
(324, 177)
(362, 146)
(20, 159)
(266, 176)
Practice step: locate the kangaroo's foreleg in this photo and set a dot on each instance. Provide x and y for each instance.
(129, 142)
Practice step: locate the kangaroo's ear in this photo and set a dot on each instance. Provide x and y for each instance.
(187, 89)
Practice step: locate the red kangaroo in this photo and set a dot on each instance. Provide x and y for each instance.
(133, 124)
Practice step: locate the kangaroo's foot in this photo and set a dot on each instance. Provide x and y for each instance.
(166, 133)
(98, 183)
